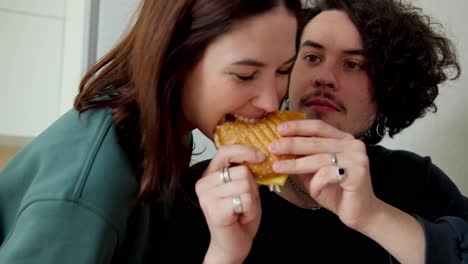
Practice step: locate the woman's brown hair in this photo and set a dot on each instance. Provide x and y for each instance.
(141, 78)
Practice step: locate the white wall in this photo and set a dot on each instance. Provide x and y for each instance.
(114, 19)
(46, 47)
(31, 50)
(443, 135)
(42, 51)
(76, 49)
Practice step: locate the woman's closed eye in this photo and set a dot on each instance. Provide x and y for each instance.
(285, 71)
(244, 76)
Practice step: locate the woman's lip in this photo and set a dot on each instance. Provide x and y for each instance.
(254, 116)
(322, 105)
(233, 117)
(249, 120)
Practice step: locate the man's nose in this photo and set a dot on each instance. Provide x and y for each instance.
(323, 84)
(325, 79)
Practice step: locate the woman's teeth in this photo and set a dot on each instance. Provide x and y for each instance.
(245, 119)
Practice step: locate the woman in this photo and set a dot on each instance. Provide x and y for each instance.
(70, 195)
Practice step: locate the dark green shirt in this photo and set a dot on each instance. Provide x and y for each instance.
(68, 197)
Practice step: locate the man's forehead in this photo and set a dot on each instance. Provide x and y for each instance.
(351, 50)
(333, 29)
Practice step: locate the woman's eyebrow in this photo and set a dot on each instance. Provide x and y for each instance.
(255, 63)
(249, 62)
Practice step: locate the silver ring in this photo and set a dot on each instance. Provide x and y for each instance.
(237, 203)
(340, 173)
(334, 159)
(224, 175)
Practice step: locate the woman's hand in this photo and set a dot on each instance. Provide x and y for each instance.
(351, 198)
(231, 232)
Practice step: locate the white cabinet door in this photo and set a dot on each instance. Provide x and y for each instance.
(51, 8)
(43, 54)
(31, 53)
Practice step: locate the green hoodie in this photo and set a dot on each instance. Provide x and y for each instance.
(68, 197)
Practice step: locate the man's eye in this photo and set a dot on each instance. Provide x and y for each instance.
(312, 58)
(352, 65)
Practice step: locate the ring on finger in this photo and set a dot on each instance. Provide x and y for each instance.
(340, 173)
(237, 205)
(224, 175)
(334, 159)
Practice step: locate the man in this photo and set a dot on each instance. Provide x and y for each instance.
(365, 68)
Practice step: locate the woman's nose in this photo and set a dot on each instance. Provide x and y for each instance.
(270, 96)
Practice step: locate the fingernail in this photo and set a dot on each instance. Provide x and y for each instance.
(273, 147)
(260, 155)
(283, 128)
(279, 166)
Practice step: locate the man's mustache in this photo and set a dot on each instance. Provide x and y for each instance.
(329, 96)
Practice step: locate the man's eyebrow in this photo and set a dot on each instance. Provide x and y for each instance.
(313, 44)
(249, 62)
(355, 52)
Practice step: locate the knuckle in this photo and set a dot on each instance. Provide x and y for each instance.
(363, 168)
(211, 211)
(315, 185)
(315, 142)
(243, 171)
(223, 154)
(321, 175)
(291, 164)
(353, 223)
(292, 126)
(362, 171)
(286, 143)
(255, 197)
(247, 199)
(250, 201)
(199, 187)
(244, 186)
(361, 159)
(319, 124)
(314, 190)
(358, 145)
(325, 159)
(223, 150)
(203, 202)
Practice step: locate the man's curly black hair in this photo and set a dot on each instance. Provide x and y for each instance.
(407, 58)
